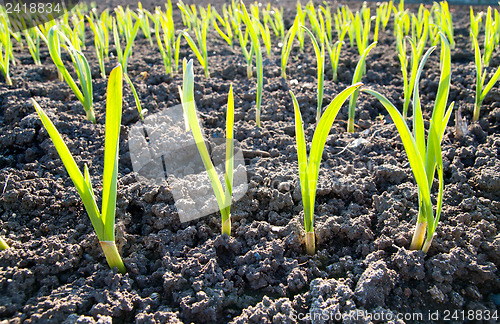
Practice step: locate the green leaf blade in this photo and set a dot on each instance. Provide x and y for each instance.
(111, 148)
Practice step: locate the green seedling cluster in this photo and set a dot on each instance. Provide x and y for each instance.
(491, 34)
(319, 50)
(481, 90)
(302, 21)
(442, 17)
(222, 194)
(200, 27)
(250, 25)
(425, 158)
(274, 17)
(76, 33)
(384, 12)
(247, 53)
(309, 166)
(345, 18)
(334, 53)
(5, 50)
(417, 48)
(143, 16)
(101, 39)
(166, 39)
(287, 45)
(103, 222)
(226, 32)
(258, 29)
(123, 57)
(475, 25)
(85, 95)
(32, 36)
(362, 26)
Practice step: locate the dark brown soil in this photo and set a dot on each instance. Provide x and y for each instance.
(366, 205)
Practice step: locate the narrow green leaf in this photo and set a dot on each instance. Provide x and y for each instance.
(188, 91)
(229, 148)
(287, 46)
(195, 48)
(414, 157)
(440, 105)
(111, 148)
(358, 72)
(84, 190)
(53, 44)
(303, 166)
(418, 121)
(321, 134)
(490, 84)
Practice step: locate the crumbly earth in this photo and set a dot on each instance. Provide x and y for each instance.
(366, 204)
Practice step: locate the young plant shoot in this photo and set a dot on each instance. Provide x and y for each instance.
(248, 54)
(287, 45)
(103, 223)
(82, 68)
(309, 167)
(263, 30)
(201, 55)
(5, 50)
(334, 52)
(475, 25)
(200, 50)
(443, 19)
(226, 24)
(385, 13)
(358, 73)
(144, 18)
(260, 71)
(409, 83)
(164, 24)
(480, 78)
(362, 26)
(320, 59)
(425, 159)
(223, 195)
(32, 36)
(123, 57)
(101, 40)
(490, 36)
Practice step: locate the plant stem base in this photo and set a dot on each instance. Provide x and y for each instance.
(226, 226)
(112, 255)
(418, 236)
(310, 243)
(475, 117)
(350, 125)
(91, 115)
(427, 245)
